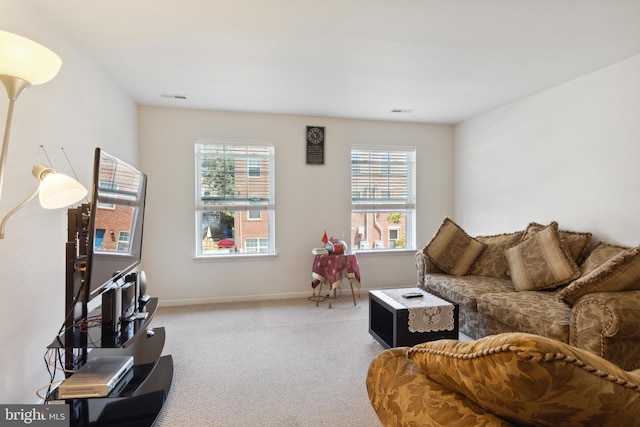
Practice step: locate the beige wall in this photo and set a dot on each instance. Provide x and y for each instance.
(79, 109)
(309, 200)
(568, 154)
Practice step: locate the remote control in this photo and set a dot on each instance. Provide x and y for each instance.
(412, 295)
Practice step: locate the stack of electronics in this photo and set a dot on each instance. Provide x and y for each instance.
(120, 302)
(99, 377)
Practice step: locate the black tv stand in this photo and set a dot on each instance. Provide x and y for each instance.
(136, 400)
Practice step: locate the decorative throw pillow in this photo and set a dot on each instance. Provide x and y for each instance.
(601, 253)
(620, 273)
(532, 380)
(577, 242)
(453, 250)
(532, 228)
(492, 262)
(541, 262)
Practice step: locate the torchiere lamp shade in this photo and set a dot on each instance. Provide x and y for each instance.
(27, 60)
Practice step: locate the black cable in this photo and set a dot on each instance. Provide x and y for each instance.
(51, 376)
(70, 313)
(62, 329)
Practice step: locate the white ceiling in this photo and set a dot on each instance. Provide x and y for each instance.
(445, 60)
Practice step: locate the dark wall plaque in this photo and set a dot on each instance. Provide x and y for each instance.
(315, 145)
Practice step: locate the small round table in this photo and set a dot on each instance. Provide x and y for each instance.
(331, 269)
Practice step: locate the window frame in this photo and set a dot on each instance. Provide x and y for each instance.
(252, 212)
(368, 165)
(256, 171)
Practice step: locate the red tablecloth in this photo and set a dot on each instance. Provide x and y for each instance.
(332, 269)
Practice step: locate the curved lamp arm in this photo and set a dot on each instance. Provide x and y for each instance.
(24, 63)
(17, 208)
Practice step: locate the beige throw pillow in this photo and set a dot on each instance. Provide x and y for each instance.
(492, 262)
(577, 242)
(541, 262)
(453, 250)
(620, 273)
(601, 253)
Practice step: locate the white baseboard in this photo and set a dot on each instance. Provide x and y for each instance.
(362, 293)
(218, 300)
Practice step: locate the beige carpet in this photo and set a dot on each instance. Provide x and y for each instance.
(269, 363)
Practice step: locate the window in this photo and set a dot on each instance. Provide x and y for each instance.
(394, 234)
(257, 245)
(254, 167)
(234, 197)
(382, 197)
(124, 237)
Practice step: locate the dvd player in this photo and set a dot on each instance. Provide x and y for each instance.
(96, 378)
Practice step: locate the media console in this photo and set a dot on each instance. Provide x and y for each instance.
(103, 254)
(137, 401)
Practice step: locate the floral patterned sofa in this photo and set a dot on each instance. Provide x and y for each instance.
(510, 379)
(541, 280)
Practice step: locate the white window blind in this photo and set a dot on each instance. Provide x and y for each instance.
(382, 178)
(234, 176)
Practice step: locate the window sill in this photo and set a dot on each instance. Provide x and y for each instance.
(385, 252)
(233, 257)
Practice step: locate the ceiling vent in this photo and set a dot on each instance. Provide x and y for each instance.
(174, 96)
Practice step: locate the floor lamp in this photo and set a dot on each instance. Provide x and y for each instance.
(25, 63)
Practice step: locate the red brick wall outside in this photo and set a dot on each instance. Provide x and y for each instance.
(118, 219)
(251, 228)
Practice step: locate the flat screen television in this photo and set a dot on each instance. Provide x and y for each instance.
(116, 220)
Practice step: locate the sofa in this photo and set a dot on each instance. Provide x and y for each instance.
(541, 280)
(509, 379)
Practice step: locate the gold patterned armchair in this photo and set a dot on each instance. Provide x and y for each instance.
(510, 379)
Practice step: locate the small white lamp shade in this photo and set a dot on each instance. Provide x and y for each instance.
(58, 191)
(26, 59)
